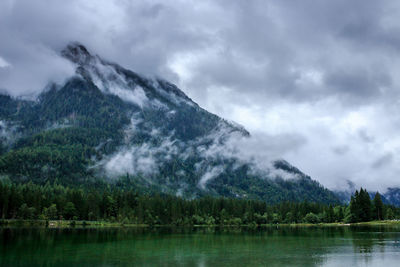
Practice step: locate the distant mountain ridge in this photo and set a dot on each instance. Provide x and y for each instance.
(391, 196)
(110, 123)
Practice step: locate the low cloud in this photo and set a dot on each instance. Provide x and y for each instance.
(211, 151)
(144, 159)
(210, 173)
(28, 73)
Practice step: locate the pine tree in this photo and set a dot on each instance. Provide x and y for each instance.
(355, 208)
(330, 214)
(365, 205)
(389, 214)
(378, 206)
(360, 206)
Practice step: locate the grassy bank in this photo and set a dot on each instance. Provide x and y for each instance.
(100, 224)
(64, 223)
(378, 223)
(342, 224)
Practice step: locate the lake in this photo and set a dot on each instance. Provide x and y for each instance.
(270, 246)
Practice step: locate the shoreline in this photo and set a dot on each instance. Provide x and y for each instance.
(4, 223)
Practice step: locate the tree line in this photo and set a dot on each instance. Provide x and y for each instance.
(30, 201)
(363, 209)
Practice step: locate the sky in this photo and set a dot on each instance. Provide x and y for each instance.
(315, 80)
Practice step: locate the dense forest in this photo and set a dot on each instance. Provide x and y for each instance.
(116, 204)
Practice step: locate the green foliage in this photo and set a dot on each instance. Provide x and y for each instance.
(114, 204)
(378, 207)
(91, 125)
(69, 210)
(360, 207)
(51, 212)
(26, 213)
(389, 214)
(46, 163)
(311, 218)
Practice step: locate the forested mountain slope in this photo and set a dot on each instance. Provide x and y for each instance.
(109, 123)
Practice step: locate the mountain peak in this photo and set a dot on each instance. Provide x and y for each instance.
(77, 53)
(108, 121)
(111, 78)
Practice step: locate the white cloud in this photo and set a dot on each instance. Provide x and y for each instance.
(28, 73)
(3, 63)
(209, 174)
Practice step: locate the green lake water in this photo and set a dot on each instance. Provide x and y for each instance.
(284, 246)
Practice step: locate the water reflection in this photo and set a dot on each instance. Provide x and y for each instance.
(340, 246)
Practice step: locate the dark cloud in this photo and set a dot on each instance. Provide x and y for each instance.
(365, 136)
(358, 83)
(382, 161)
(341, 150)
(267, 49)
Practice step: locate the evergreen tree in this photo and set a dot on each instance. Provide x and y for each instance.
(365, 205)
(360, 206)
(311, 218)
(115, 204)
(330, 214)
(51, 212)
(389, 214)
(355, 208)
(69, 210)
(378, 207)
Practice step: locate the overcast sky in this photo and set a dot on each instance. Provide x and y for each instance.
(318, 75)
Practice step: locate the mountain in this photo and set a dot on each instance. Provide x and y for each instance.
(111, 124)
(390, 197)
(344, 195)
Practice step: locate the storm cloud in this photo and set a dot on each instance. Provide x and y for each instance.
(324, 72)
